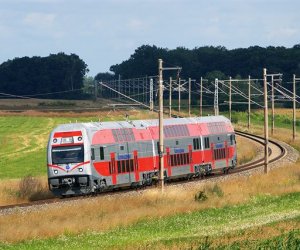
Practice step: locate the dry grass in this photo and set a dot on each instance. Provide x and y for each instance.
(246, 150)
(104, 213)
(17, 191)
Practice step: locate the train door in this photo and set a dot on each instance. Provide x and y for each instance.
(136, 166)
(113, 169)
(167, 160)
(220, 152)
(125, 164)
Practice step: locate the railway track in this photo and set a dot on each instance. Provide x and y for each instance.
(276, 152)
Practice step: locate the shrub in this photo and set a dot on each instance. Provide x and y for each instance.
(234, 119)
(217, 190)
(32, 189)
(200, 196)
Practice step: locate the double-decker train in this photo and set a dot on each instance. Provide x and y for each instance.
(91, 157)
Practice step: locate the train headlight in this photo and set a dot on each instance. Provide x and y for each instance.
(55, 171)
(55, 140)
(80, 169)
(79, 138)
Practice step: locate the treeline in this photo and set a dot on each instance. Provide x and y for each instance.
(40, 75)
(66, 73)
(212, 61)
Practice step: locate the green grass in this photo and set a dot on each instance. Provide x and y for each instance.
(23, 141)
(201, 227)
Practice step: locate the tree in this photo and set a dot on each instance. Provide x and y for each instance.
(43, 75)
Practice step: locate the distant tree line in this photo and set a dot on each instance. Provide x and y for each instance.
(40, 75)
(67, 73)
(209, 61)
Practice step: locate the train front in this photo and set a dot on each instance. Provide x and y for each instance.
(68, 160)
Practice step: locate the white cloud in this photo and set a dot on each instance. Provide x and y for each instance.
(39, 20)
(283, 32)
(136, 24)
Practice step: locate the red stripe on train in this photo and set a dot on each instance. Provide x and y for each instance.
(67, 134)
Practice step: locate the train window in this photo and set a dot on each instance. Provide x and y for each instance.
(123, 166)
(121, 147)
(196, 143)
(177, 142)
(131, 165)
(124, 134)
(232, 139)
(119, 166)
(177, 160)
(181, 159)
(93, 154)
(127, 166)
(206, 142)
(101, 153)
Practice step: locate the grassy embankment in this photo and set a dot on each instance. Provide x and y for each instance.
(246, 212)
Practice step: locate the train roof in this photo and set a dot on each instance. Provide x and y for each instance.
(141, 124)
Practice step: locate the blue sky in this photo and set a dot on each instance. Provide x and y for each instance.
(106, 32)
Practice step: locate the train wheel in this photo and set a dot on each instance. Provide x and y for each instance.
(225, 170)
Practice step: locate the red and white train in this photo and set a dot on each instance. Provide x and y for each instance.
(91, 157)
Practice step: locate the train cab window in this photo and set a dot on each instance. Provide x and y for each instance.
(232, 139)
(206, 142)
(101, 153)
(70, 154)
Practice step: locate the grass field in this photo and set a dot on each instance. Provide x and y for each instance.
(262, 211)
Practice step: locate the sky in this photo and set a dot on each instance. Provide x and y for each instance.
(107, 32)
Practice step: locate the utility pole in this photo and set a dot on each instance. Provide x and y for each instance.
(273, 112)
(96, 90)
(179, 97)
(266, 170)
(160, 120)
(294, 105)
(119, 86)
(230, 102)
(201, 89)
(249, 102)
(161, 131)
(151, 95)
(170, 97)
(190, 97)
(216, 99)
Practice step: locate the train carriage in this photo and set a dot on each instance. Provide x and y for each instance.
(91, 157)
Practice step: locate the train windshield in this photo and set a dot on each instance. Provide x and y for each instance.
(71, 154)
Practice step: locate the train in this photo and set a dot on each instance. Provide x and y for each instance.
(91, 157)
